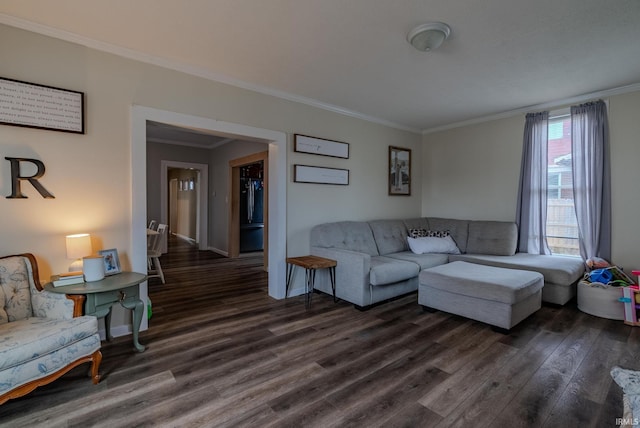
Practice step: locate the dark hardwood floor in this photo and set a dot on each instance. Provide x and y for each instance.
(220, 352)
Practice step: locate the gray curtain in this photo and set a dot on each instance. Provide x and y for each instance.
(531, 215)
(592, 178)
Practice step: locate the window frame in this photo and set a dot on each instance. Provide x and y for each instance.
(557, 116)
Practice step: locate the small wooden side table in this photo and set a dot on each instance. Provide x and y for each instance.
(311, 264)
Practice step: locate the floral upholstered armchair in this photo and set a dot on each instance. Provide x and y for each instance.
(42, 335)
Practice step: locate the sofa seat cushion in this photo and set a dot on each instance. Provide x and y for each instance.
(508, 286)
(387, 270)
(425, 261)
(28, 339)
(559, 270)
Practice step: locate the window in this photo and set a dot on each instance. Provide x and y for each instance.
(552, 146)
(562, 226)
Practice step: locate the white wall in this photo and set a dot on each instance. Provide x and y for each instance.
(472, 172)
(91, 175)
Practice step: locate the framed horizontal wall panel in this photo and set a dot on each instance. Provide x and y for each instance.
(38, 106)
(320, 146)
(320, 175)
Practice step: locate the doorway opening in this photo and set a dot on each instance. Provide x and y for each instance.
(276, 141)
(197, 199)
(251, 208)
(248, 222)
(183, 203)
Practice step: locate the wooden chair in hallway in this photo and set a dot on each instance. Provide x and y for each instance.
(154, 251)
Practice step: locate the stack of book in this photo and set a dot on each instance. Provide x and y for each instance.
(67, 278)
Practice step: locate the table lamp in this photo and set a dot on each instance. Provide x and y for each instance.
(78, 246)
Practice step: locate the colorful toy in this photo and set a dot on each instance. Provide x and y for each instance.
(631, 299)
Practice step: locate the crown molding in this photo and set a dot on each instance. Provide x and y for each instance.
(545, 106)
(191, 70)
(187, 144)
(220, 78)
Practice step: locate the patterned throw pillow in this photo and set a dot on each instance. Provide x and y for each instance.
(438, 233)
(421, 233)
(417, 233)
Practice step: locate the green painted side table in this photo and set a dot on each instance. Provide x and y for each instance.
(102, 295)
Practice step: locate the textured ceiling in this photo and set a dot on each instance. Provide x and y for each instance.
(352, 56)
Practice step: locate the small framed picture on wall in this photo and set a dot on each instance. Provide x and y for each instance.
(399, 171)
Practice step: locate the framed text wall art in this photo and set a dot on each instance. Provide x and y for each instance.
(40, 106)
(321, 175)
(320, 146)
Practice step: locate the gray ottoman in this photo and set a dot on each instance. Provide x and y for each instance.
(497, 296)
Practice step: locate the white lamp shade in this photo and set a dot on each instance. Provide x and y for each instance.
(78, 246)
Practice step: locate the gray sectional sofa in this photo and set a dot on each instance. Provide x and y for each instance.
(376, 264)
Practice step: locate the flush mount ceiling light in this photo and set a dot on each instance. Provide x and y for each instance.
(429, 36)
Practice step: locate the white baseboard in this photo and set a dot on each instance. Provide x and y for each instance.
(296, 292)
(219, 251)
(185, 238)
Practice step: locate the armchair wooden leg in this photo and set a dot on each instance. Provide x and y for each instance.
(96, 359)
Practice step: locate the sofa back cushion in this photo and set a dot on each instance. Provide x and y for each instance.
(416, 224)
(345, 235)
(390, 236)
(498, 238)
(458, 229)
(15, 293)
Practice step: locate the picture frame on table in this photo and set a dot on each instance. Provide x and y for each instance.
(399, 171)
(111, 261)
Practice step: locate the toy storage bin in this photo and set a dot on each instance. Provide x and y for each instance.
(601, 302)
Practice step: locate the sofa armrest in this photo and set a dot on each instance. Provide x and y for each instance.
(352, 273)
(359, 263)
(78, 304)
(53, 305)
